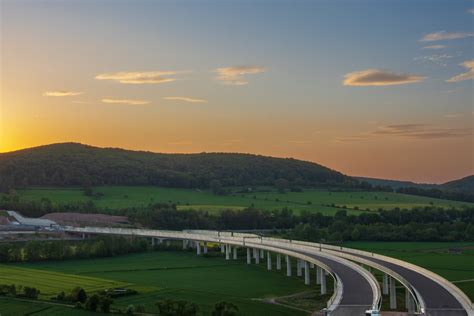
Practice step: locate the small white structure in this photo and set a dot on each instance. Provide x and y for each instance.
(35, 222)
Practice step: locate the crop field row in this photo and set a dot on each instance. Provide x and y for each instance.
(160, 275)
(51, 283)
(116, 197)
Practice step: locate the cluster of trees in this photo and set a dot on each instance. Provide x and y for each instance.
(19, 291)
(104, 246)
(169, 307)
(37, 208)
(79, 165)
(454, 195)
(418, 224)
(79, 297)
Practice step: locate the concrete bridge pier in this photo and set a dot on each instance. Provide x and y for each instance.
(222, 248)
(262, 254)
(269, 261)
(249, 257)
(385, 284)
(311, 265)
(393, 294)
(227, 252)
(198, 248)
(185, 244)
(306, 273)
(298, 268)
(323, 283)
(318, 275)
(288, 266)
(409, 302)
(278, 261)
(205, 247)
(235, 253)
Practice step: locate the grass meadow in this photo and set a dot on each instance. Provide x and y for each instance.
(326, 202)
(160, 275)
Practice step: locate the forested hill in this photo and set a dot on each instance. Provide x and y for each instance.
(69, 164)
(464, 184)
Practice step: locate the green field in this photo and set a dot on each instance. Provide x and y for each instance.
(116, 197)
(434, 256)
(166, 274)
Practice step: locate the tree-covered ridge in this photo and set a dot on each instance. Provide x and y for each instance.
(69, 164)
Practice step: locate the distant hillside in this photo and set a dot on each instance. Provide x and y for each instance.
(72, 164)
(462, 185)
(465, 184)
(395, 184)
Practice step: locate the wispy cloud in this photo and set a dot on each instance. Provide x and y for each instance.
(143, 77)
(470, 11)
(61, 93)
(125, 101)
(453, 115)
(408, 131)
(377, 77)
(434, 47)
(422, 131)
(436, 59)
(443, 36)
(236, 75)
(469, 75)
(186, 99)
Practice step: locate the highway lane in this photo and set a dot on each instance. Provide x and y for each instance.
(438, 301)
(358, 294)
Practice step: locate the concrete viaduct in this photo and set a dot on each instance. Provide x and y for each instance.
(356, 291)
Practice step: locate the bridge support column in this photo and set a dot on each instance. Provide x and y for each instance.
(385, 284)
(298, 268)
(198, 248)
(318, 275)
(249, 258)
(409, 302)
(262, 254)
(153, 241)
(288, 266)
(323, 282)
(227, 250)
(235, 253)
(269, 261)
(306, 273)
(278, 261)
(311, 265)
(205, 247)
(257, 256)
(168, 242)
(393, 294)
(83, 236)
(185, 244)
(222, 248)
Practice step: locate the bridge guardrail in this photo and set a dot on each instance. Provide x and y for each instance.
(462, 298)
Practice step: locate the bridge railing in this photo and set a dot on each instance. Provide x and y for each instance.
(460, 296)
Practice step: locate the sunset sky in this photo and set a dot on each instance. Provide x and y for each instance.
(370, 88)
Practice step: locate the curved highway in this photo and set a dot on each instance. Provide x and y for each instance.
(437, 296)
(356, 289)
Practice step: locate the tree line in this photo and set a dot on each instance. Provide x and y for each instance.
(102, 246)
(79, 165)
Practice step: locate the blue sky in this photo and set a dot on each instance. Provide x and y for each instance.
(249, 76)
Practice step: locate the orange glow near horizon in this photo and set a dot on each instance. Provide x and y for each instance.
(222, 79)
